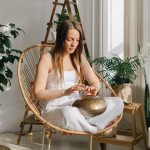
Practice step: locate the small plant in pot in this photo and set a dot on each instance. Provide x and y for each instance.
(60, 18)
(8, 55)
(119, 73)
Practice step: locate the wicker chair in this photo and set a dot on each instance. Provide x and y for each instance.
(26, 73)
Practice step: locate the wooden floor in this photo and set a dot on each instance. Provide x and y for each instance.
(58, 143)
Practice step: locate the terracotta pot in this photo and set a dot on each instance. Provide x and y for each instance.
(124, 91)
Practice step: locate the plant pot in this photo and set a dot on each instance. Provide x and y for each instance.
(124, 91)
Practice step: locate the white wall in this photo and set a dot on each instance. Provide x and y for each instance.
(32, 16)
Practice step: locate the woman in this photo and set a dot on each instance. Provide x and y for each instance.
(57, 82)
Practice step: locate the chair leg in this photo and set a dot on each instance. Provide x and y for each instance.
(91, 142)
(143, 129)
(30, 129)
(43, 138)
(20, 133)
(49, 144)
(103, 146)
(22, 126)
(132, 147)
(49, 136)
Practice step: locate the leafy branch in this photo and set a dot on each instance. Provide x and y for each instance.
(116, 70)
(8, 55)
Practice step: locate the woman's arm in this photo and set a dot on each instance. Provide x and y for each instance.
(39, 89)
(90, 76)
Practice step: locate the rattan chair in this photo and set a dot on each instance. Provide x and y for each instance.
(26, 73)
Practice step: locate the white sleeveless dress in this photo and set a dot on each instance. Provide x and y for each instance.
(60, 112)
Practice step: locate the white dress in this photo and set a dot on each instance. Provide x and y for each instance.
(61, 113)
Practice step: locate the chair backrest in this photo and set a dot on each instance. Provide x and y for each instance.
(26, 73)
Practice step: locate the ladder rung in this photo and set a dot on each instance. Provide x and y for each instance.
(50, 42)
(48, 23)
(63, 3)
(72, 3)
(59, 3)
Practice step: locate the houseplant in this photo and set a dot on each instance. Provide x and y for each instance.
(119, 73)
(61, 17)
(8, 55)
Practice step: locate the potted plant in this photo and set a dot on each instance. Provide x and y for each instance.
(61, 17)
(8, 55)
(119, 73)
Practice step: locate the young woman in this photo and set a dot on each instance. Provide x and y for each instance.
(57, 82)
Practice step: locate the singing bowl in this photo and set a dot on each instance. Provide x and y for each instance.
(90, 106)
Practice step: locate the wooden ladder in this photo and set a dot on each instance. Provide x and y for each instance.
(67, 4)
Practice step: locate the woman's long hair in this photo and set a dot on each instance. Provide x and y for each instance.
(58, 51)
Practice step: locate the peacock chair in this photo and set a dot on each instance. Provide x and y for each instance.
(26, 74)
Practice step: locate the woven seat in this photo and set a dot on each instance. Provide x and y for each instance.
(26, 74)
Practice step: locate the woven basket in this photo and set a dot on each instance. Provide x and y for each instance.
(124, 91)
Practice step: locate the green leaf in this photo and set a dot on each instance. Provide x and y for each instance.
(12, 25)
(3, 80)
(8, 55)
(1, 48)
(16, 51)
(7, 42)
(8, 51)
(4, 59)
(116, 70)
(11, 58)
(1, 88)
(14, 33)
(19, 29)
(8, 73)
(2, 67)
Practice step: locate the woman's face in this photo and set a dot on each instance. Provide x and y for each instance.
(72, 40)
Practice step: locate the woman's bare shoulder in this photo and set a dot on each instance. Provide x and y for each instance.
(46, 60)
(83, 60)
(46, 56)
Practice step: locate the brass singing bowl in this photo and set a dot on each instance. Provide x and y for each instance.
(90, 106)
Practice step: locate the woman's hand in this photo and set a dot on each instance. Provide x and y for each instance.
(78, 87)
(90, 90)
(87, 90)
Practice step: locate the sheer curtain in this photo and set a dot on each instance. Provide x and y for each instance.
(134, 12)
(146, 37)
(137, 30)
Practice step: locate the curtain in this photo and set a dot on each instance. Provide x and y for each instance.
(146, 51)
(137, 31)
(133, 36)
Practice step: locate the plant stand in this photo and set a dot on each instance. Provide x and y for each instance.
(129, 138)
